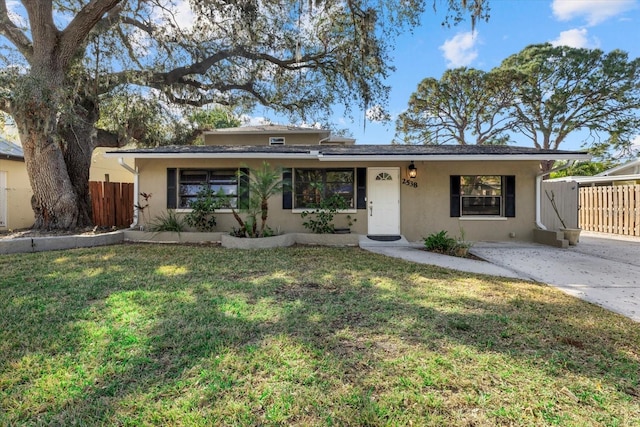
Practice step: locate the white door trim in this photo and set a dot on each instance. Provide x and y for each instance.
(383, 200)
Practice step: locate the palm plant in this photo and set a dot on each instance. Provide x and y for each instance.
(263, 183)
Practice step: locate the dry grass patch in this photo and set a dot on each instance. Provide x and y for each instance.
(175, 335)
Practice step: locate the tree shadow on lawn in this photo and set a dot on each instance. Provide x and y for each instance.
(207, 329)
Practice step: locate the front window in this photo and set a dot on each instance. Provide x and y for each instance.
(311, 186)
(222, 182)
(481, 195)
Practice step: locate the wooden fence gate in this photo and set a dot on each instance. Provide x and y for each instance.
(611, 209)
(111, 203)
(565, 195)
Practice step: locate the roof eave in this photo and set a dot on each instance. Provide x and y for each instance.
(352, 157)
(212, 155)
(265, 132)
(452, 157)
(11, 157)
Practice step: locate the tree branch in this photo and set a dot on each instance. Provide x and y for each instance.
(13, 33)
(75, 35)
(108, 139)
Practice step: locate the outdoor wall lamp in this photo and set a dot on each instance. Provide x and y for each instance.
(412, 170)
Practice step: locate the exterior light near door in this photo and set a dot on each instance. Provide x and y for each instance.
(412, 170)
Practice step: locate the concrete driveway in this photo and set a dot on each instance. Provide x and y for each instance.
(600, 269)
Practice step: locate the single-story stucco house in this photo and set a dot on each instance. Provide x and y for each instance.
(485, 192)
(15, 191)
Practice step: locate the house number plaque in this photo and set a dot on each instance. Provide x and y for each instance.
(410, 183)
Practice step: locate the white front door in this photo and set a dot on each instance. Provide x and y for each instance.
(383, 200)
(3, 199)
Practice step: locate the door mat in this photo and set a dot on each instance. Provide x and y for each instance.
(383, 238)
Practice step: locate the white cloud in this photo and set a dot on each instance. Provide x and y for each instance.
(460, 50)
(179, 13)
(377, 113)
(183, 15)
(248, 120)
(594, 11)
(578, 38)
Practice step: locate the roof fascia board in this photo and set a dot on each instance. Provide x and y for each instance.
(265, 132)
(11, 157)
(214, 155)
(450, 157)
(351, 157)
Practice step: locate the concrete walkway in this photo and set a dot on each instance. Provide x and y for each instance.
(414, 252)
(600, 269)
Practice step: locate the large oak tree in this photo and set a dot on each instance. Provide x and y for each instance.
(61, 59)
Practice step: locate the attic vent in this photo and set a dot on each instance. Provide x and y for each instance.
(276, 140)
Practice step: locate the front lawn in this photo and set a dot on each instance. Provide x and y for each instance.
(187, 335)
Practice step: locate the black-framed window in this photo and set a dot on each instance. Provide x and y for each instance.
(482, 195)
(311, 186)
(219, 181)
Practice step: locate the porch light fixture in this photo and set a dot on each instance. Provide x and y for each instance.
(412, 170)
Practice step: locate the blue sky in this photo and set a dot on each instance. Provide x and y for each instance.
(514, 24)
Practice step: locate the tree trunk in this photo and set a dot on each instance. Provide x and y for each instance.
(54, 200)
(79, 137)
(546, 165)
(36, 113)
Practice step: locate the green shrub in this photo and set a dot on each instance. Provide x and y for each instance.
(168, 221)
(202, 208)
(440, 242)
(321, 218)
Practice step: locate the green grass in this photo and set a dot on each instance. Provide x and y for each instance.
(182, 335)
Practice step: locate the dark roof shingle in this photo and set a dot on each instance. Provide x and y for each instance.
(10, 151)
(351, 150)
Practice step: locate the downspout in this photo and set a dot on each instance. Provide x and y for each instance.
(539, 191)
(136, 184)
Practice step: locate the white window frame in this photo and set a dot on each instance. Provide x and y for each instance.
(501, 198)
(208, 171)
(298, 209)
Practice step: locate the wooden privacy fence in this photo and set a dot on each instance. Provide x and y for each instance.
(111, 203)
(611, 209)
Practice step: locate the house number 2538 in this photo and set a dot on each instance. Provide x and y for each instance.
(409, 183)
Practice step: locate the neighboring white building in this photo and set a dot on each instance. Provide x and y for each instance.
(15, 191)
(628, 173)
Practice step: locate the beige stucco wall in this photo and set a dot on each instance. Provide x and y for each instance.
(102, 166)
(18, 191)
(312, 138)
(424, 210)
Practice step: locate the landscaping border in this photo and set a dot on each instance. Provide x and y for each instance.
(55, 243)
(231, 242)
